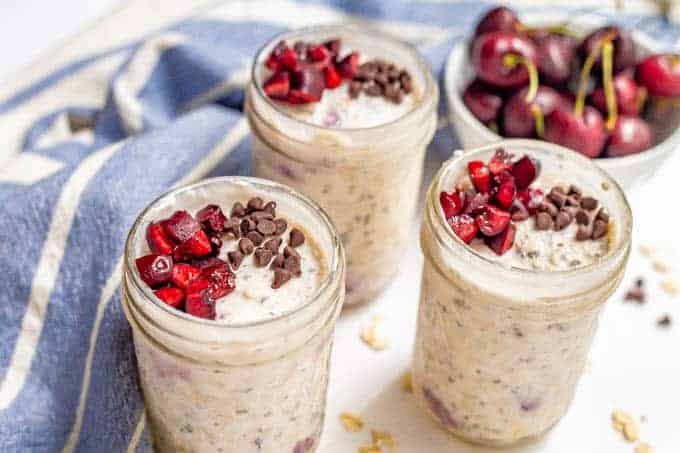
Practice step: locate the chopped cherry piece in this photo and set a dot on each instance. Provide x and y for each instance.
(155, 270)
(499, 162)
(158, 242)
(525, 171)
(503, 241)
(464, 226)
(171, 296)
(451, 203)
(333, 46)
(198, 301)
(278, 85)
(319, 54)
(289, 59)
(273, 60)
(181, 226)
(531, 199)
(505, 194)
(349, 66)
(331, 77)
(307, 86)
(212, 218)
(476, 204)
(660, 74)
(492, 221)
(222, 280)
(480, 176)
(196, 246)
(202, 263)
(183, 274)
(518, 211)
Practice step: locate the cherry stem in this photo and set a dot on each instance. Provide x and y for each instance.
(608, 82)
(559, 29)
(538, 120)
(510, 60)
(580, 103)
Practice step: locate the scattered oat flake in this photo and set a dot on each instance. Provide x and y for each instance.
(643, 447)
(626, 425)
(373, 335)
(382, 439)
(671, 286)
(352, 422)
(646, 250)
(369, 449)
(407, 382)
(660, 266)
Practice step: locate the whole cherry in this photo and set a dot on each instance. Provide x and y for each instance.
(555, 56)
(630, 97)
(504, 59)
(660, 74)
(624, 48)
(526, 119)
(498, 19)
(630, 135)
(482, 102)
(581, 132)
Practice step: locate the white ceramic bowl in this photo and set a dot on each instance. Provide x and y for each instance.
(628, 171)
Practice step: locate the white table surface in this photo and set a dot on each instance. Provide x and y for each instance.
(634, 365)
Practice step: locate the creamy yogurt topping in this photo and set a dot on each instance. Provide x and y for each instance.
(254, 299)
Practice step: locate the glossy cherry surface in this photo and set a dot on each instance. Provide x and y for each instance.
(482, 102)
(630, 135)
(660, 74)
(630, 96)
(519, 118)
(498, 19)
(584, 133)
(489, 53)
(624, 48)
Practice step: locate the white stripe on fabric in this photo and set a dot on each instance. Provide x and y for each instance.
(228, 144)
(29, 168)
(137, 434)
(127, 85)
(291, 14)
(46, 273)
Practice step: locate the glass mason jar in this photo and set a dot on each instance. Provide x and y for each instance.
(251, 387)
(367, 179)
(499, 350)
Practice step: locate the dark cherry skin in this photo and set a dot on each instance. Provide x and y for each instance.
(660, 74)
(584, 134)
(629, 95)
(555, 57)
(630, 135)
(482, 102)
(624, 48)
(488, 52)
(498, 19)
(518, 117)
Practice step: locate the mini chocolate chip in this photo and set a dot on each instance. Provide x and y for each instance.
(255, 204)
(397, 98)
(603, 215)
(261, 215)
(588, 203)
(247, 225)
(297, 238)
(281, 226)
(281, 276)
(255, 237)
(273, 244)
(664, 321)
(235, 258)
(406, 83)
(382, 79)
(246, 246)
(573, 201)
(583, 233)
(266, 227)
(354, 89)
(278, 261)
(639, 282)
(562, 220)
(238, 210)
(262, 256)
(292, 264)
(547, 206)
(558, 189)
(393, 74)
(290, 251)
(599, 229)
(543, 221)
(635, 294)
(270, 208)
(557, 196)
(582, 217)
(371, 88)
(232, 228)
(575, 191)
(518, 211)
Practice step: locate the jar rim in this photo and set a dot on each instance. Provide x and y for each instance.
(452, 240)
(354, 29)
(335, 260)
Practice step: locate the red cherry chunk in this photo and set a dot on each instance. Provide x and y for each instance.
(171, 296)
(155, 270)
(531, 199)
(464, 226)
(499, 162)
(503, 241)
(476, 204)
(333, 45)
(349, 66)
(307, 86)
(198, 301)
(480, 176)
(492, 221)
(183, 274)
(525, 171)
(319, 53)
(282, 57)
(278, 85)
(222, 280)
(181, 226)
(196, 246)
(505, 193)
(331, 77)
(451, 203)
(158, 242)
(211, 218)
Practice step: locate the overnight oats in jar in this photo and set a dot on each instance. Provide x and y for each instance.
(232, 287)
(345, 116)
(524, 242)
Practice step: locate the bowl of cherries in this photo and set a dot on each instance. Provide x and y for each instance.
(600, 90)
